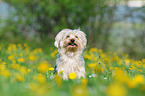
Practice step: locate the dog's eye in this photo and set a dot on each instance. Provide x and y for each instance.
(76, 36)
(67, 36)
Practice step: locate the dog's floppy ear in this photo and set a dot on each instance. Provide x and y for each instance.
(84, 38)
(59, 37)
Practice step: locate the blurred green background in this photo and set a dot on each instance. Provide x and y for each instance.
(112, 25)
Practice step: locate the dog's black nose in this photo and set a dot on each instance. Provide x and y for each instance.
(72, 40)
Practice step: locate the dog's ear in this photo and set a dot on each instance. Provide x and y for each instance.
(59, 37)
(84, 38)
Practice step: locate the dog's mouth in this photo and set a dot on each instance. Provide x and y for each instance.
(72, 44)
(72, 47)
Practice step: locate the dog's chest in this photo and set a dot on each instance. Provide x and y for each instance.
(69, 64)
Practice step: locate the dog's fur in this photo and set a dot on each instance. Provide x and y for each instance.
(70, 44)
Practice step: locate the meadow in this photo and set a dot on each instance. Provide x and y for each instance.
(28, 71)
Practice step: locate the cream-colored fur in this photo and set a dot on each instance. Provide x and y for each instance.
(70, 54)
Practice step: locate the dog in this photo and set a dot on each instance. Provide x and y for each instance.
(70, 44)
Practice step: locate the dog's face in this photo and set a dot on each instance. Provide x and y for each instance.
(71, 40)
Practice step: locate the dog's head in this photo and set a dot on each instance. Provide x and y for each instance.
(71, 40)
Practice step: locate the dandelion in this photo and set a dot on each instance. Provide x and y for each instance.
(23, 70)
(116, 89)
(98, 69)
(19, 77)
(32, 58)
(58, 80)
(21, 54)
(20, 60)
(72, 75)
(127, 62)
(93, 50)
(11, 57)
(53, 54)
(15, 66)
(40, 78)
(51, 68)
(43, 67)
(61, 72)
(87, 57)
(5, 73)
(130, 68)
(132, 84)
(143, 60)
(28, 70)
(92, 65)
(139, 79)
(120, 76)
(84, 81)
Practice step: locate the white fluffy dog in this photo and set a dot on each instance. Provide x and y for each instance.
(70, 44)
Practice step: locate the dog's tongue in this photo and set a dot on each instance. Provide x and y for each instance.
(72, 44)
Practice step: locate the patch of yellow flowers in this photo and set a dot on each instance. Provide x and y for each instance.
(32, 67)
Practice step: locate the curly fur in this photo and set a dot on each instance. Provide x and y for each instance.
(70, 53)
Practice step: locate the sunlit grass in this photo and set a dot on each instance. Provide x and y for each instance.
(29, 72)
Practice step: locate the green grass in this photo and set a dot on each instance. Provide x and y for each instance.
(25, 70)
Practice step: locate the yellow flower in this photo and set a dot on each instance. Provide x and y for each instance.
(20, 60)
(121, 76)
(84, 81)
(58, 80)
(40, 78)
(28, 70)
(2, 67)
(72, 75)
(131, 84)
(11, 57)
(3, 63)
(102, 55)
(92, 65)
(127, 61)
(23, 70)
(25, 45)
(93, 50)
(130, 68)
(37, 50)
(139, 79)
(51, 68)
(87, 57)
(111, 68)
(61, 72)
(15, 66)
(115, 58)
(53, 54)
(43, 67)
(143, 60)
(100, 50)
(106, 60)
(98, 69)
(6, 73)
(32, 58)
(116, 89)
(21, 54)
(19, 77)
